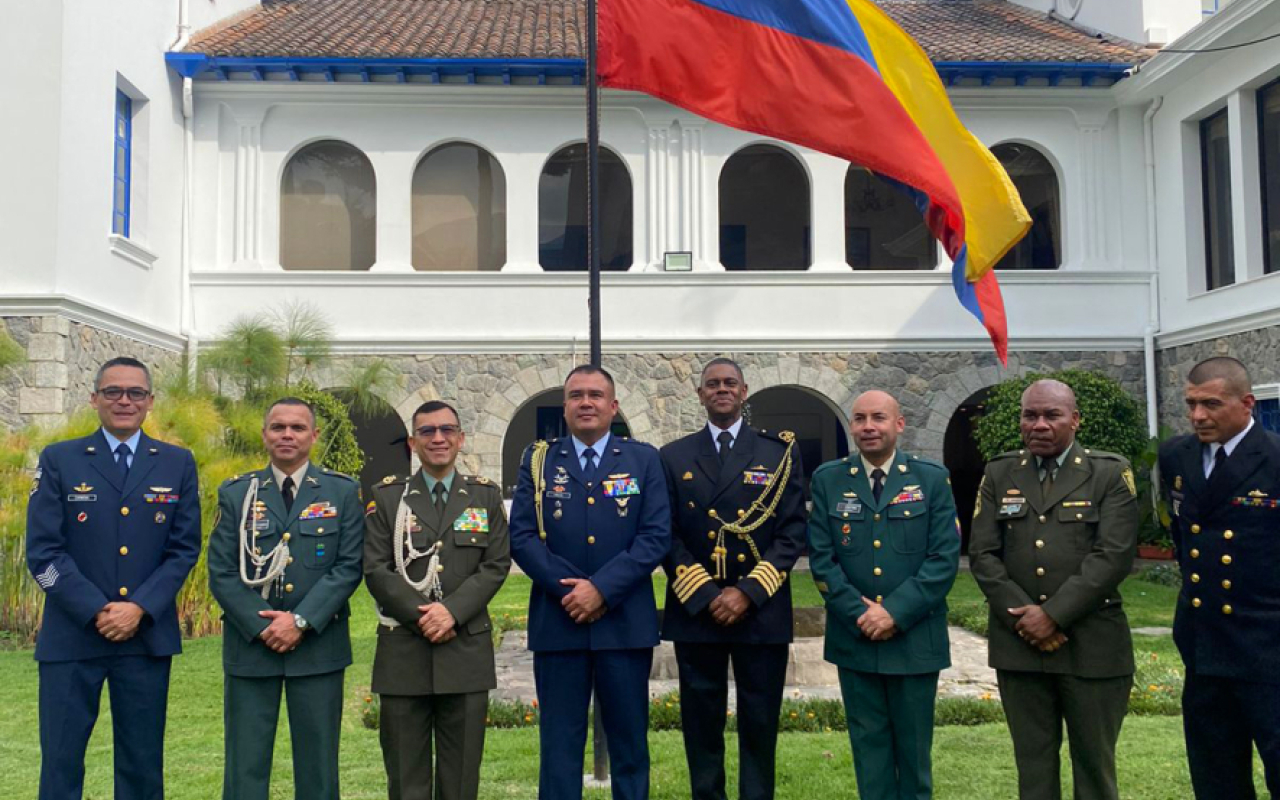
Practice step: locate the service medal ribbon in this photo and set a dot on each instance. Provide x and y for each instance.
(472, 519)
(160, 497)
(754, 478)
(622, 487)
(319, 511)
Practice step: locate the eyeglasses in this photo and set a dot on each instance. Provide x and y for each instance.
(447, 431)
(136, 393)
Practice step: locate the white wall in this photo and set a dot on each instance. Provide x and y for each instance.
(1142, 21)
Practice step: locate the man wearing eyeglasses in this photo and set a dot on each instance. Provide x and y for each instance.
(435, 553)
(113, 528)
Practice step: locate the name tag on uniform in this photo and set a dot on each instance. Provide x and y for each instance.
(849, 507)
(472, 519)
(81, 498)
(260, 521)
(1011, 505)
(620, 487)
(559, 493)
(323, 510)
(753, 477)
(909, 494)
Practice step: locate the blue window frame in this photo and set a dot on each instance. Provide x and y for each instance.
(1267, 413)
(123, 164)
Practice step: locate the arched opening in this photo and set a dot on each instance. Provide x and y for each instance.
(764, 211)
(1037, 183)
(820, 432)
(961, 456)
(459, 209)
(883, 229)
(541, 417)
(328, 209)
(562, 212)
(382, 438)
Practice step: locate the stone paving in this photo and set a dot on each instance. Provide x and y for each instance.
(808, 675)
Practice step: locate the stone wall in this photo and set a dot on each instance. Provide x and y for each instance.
(62, 359)
(1258, 349)
(656, 391)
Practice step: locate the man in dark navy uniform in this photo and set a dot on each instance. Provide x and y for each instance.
(737, 504)
(589, 524)
(1223, 487)
(113, 528)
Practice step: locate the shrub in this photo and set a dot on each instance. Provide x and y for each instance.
(1157, 687)
(11, 353)
(1162, 575)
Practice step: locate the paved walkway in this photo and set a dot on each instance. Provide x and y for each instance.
(808, 675)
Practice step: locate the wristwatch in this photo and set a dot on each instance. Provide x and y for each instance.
(301, 622)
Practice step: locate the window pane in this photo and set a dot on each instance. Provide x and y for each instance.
(328, 209)
(883, 227)
(1269, 143)
(764, 211)
(459, 210)
(562, 212)
(1037, 183)
(1215, 154)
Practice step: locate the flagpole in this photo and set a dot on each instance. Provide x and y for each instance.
(593, 186)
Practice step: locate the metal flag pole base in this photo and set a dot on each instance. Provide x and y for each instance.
(599, 777)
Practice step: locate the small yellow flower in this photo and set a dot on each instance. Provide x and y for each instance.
(1153, 688)
(810, 715)
(986, 695)
(794, 715)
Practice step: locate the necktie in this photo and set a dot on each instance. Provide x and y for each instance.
(437, 497)
(1046, 483)
(726, 444)
(122, 460)
(1219, 458)
(589, 463)
(877, 482)
(286, 490)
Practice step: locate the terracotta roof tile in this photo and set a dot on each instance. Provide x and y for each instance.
(949, 30)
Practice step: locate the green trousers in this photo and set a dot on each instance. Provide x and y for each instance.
(891, 731)
(251, 709)
(408, 724)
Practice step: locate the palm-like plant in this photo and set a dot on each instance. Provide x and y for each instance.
(251, 354)
(368, 383)
(305, 333)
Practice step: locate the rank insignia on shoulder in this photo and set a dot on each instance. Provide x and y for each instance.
(853, 472)
(1127, 477)
(312, 480)
(902, 468)
(153, 450)
(91, 449)
(472, 519)
(688, 476)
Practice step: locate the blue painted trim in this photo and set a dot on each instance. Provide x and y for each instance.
(191, 65)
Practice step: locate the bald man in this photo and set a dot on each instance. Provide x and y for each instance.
(1223, 486)
(884, 546)
(1055, 531)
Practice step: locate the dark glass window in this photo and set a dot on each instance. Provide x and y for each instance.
(1215, 165)
(123, 166)
(1037, 183)
(883, 229)
(459, 210)
(764, 211)
(1269, 145)
(1267, 413)
(328, 209)
(562, 212)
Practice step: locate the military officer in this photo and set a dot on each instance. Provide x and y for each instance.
(1054, 534)
(435, 553)
(284, 557)
(884, 547)
(590, 522)
(737, 505)
(1223, 484)
(113, 528)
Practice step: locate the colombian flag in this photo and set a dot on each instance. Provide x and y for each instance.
(841, 77)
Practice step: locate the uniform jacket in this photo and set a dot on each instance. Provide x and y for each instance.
(703, 496)
(614, 530)
(1067, 552)
(92, 540)
(902, 550)
(326, 540)
(1226, 531)
(476, 556)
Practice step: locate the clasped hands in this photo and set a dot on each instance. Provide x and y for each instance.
(282, 635)
(876, 623)
(1038, 629)
(730, 606)
(584, 603)
(437, 623)
(118, 622)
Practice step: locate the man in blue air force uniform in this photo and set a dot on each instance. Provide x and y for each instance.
(589, 524)
(737, 504)
(113, 528)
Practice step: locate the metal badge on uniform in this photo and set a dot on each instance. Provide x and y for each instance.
(620, 487)
(688, 476)
(319, 549)
(622, 505)
(853, 506)
(559, 493)
(160, 517)
(1177, 482)
(81, 517)
(35, 480)
(324, 510)
(472, 519)
(557, 513)
(81, 494)
(414, 525)
(1011, 505)
(755, 477)
(909, 494)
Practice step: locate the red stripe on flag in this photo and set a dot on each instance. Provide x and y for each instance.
(987, 290)
(757, 78)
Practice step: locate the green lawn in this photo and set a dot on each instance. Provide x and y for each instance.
(970, 762)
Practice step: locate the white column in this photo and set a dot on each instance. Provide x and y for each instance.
(522, 171)
(393, 172)
(657, 197)
(246, 247)
(1091, 217)
(826, 215)
(1246, 185)
(698, 221)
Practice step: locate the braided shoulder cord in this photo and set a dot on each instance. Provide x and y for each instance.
(762, 507)
(537, 459)
(274, 562)
(429, 587)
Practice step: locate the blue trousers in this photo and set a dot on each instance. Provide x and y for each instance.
(70, 693)
(564, 680)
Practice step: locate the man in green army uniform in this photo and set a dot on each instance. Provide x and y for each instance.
(884, 548)
(1054, 533)
(436, 552)
(284, 557)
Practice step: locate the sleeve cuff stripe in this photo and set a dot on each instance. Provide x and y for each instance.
(768, 578)
(687, 592)
(695, 574)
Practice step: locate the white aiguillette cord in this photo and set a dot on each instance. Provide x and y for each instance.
(429, 587)
(275, 561)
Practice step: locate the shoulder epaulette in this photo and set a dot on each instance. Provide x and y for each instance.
(392, 480)
(630, 441)
(830, 465)
(1011, 454)
(478, 480)
(1103, 454)
(927, 462)
(337, 474)
(237, 478)
(786, 437)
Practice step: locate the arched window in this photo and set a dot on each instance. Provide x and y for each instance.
(764, 210)
(1037, 182)
(883, 229)
(459, 210)
(562, 211)
(328, 209)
